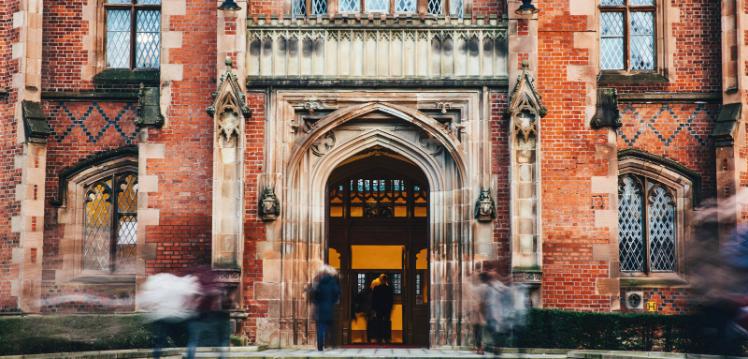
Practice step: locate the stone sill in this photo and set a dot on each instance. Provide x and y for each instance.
(127, 76)
(119, 95)
(631, 78)
(653, 281)
(106, 279)
(322, 82)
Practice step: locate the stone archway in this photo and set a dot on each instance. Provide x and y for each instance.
(301, 234)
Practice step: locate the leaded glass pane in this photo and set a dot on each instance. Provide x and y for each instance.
(118, 38)
(641, 2)
(119, 2)
(642, 41)
(434, 7)
(661, 217)
(630, 225)
(612, 3)
(127, 221)
(148, 39)
(456, 8)
(377, 5)
(298, 7)
(149, 2)
(319, 7)
(97, 224)
(350, 5)
(611, 41)
(406, 6)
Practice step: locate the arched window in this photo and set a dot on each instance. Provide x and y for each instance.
(110, 223)
(655, 198)
(647, 235)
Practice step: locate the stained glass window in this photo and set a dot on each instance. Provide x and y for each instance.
(627, 35)
(110, 224)
(405, 6)
(434, 7)
(647, 226)
(133, 34)
(378, 198)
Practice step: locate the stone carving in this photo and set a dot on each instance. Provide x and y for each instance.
(269, 206)
(229, 93)
(606, 113)
(485, 208)
(228, 127)
(324, 144)
(430, 144)
(525, 98)
(444, 106)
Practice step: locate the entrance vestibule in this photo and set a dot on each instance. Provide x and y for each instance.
(377, 213)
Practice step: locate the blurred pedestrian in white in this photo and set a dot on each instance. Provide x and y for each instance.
(168, 301)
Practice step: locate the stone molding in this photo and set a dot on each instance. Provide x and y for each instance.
(393, 120)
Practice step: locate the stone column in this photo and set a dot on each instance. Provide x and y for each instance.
(32, 132)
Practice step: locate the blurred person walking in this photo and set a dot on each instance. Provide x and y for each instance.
(212, 320)
(476, 292)
(325, 294)
(168, 301)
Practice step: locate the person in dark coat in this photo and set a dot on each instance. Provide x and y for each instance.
(382, 298)
(325, 294)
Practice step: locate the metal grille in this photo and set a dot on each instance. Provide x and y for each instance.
(127, 221)
(377, 5)
(630, 225)
(148, 38)
(642, 40)
(298, 7)
(97, 226)
(661, 218)
(350, 5)
(118, 38)
(406, 6)
(611, 40)
(434, 7)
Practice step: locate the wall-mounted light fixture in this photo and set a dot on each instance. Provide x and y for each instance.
(229, 5)
(527, 8)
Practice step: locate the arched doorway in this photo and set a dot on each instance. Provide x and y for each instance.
(377, 223)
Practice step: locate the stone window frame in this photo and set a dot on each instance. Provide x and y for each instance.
(71, 217)
(133, 7)
(665, 16)
(681, 185)
(95, 45)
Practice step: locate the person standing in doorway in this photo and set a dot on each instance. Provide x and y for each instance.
(325, 294)
(382, 298)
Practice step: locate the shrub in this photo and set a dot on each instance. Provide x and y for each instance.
(45, 334)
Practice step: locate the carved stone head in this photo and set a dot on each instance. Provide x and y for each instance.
(485, 209)
(269, 206)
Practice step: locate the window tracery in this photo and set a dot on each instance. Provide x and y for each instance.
(378, 198)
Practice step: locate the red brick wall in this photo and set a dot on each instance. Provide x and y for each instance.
(697, 53)
(499, 167)
(182, 237)
(254, 228)
(9, 148)
(489, 7)
(567, 164)
(679, 132)
(64, 55)
(79, 130)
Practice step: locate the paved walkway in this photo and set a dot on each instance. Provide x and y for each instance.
(376, 353)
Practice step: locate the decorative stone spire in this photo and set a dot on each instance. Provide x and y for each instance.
(525, 97)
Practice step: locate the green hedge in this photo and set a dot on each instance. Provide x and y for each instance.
(543, 329)
(46, 334)
(611, 331)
